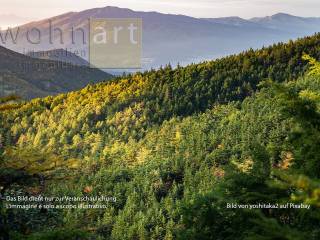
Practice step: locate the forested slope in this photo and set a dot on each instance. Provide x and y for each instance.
(127, 107)
(174, 146)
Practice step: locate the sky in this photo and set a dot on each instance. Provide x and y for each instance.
(29, 10)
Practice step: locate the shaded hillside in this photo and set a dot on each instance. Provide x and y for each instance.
(31, 77)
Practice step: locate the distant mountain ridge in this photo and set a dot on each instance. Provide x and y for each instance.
(179, 38)
(287, 22)
(235, 21)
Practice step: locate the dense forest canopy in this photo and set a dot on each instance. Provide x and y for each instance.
(175, 147)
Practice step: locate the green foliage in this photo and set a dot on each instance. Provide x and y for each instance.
(275, 182)
(175, 146)
(315, 65)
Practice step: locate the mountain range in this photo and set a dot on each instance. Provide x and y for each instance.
(281, 21)
(169, 38)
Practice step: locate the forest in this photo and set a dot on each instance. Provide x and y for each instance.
(175, 149)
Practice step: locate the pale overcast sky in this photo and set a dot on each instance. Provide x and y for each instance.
(38, 9)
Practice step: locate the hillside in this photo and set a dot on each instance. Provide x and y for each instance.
(202, 38)
(30, 78)
(174, 147)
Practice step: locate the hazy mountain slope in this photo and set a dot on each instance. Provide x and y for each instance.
(30, 77)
